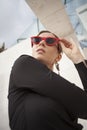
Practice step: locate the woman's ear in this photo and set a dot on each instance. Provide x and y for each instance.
(58, 58)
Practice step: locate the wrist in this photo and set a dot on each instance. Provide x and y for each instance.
(85, 63)
(78, 59)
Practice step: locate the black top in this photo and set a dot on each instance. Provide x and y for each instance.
(39, 99)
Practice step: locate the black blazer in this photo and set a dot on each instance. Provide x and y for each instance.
(30, 77)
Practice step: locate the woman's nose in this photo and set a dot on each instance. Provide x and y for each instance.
(42, 42)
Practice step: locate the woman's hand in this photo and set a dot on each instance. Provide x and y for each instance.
(71, 50)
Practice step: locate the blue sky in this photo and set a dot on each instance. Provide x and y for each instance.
(15, 18)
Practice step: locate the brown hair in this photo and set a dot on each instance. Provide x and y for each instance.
(46, 31)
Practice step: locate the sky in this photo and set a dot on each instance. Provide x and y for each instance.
(15, 18)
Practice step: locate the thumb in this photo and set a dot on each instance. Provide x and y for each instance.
(63, 46)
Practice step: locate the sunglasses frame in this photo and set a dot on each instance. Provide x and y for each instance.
(44, 38)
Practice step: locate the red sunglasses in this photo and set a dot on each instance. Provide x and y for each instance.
(50, 41)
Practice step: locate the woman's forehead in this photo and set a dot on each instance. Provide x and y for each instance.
(46, 34)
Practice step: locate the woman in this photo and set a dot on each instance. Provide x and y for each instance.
(39, 99)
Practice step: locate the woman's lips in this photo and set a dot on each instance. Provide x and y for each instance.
(40, 50)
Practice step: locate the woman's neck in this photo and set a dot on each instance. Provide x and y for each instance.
(50, 66)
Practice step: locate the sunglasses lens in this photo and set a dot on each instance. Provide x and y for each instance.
(36, 40)
(50, 41)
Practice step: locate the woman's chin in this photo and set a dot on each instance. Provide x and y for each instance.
(39, 57)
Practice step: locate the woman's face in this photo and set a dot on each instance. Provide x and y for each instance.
(44, 53)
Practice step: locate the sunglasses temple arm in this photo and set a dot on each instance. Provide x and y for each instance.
(59, 39)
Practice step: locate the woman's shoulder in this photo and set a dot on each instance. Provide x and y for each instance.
(29, 67)
(24, 58)
(27, 61)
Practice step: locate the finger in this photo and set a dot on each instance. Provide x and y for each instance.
(76, 46)
(63, 47)
(66, 43)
